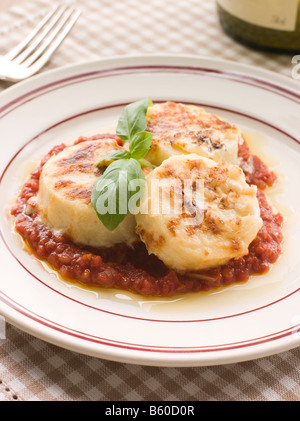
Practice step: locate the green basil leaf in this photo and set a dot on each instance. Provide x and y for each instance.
(107, 159)
(117, 192)
(120, 188)
(145, 163)
(140, 144)
(133, 119)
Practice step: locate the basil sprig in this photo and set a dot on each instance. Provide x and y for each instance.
(119, 189)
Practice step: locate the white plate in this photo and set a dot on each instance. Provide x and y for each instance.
(237, 323)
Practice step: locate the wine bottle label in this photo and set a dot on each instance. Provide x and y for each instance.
(274, 14)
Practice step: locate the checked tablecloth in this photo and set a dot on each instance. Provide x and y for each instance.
(31, 369)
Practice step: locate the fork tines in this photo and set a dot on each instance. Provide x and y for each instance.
(46, 37)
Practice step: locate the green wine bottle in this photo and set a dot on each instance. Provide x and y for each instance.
(271, 25)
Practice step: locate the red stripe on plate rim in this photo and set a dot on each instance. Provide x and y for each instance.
(125, 70)
(82, 335)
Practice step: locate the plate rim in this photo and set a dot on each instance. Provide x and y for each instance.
(52, 75)
(239, 68)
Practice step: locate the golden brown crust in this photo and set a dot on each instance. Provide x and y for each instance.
(197, 233)
(184, 128)
(150, 238)
(64, 197)
(173, 116)
(83, 159)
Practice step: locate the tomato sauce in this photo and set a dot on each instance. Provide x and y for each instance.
(131, 268)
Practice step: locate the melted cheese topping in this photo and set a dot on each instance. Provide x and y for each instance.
(64, 198)
(182, 129)
(213, 218)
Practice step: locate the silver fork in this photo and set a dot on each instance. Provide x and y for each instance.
(31, 54)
